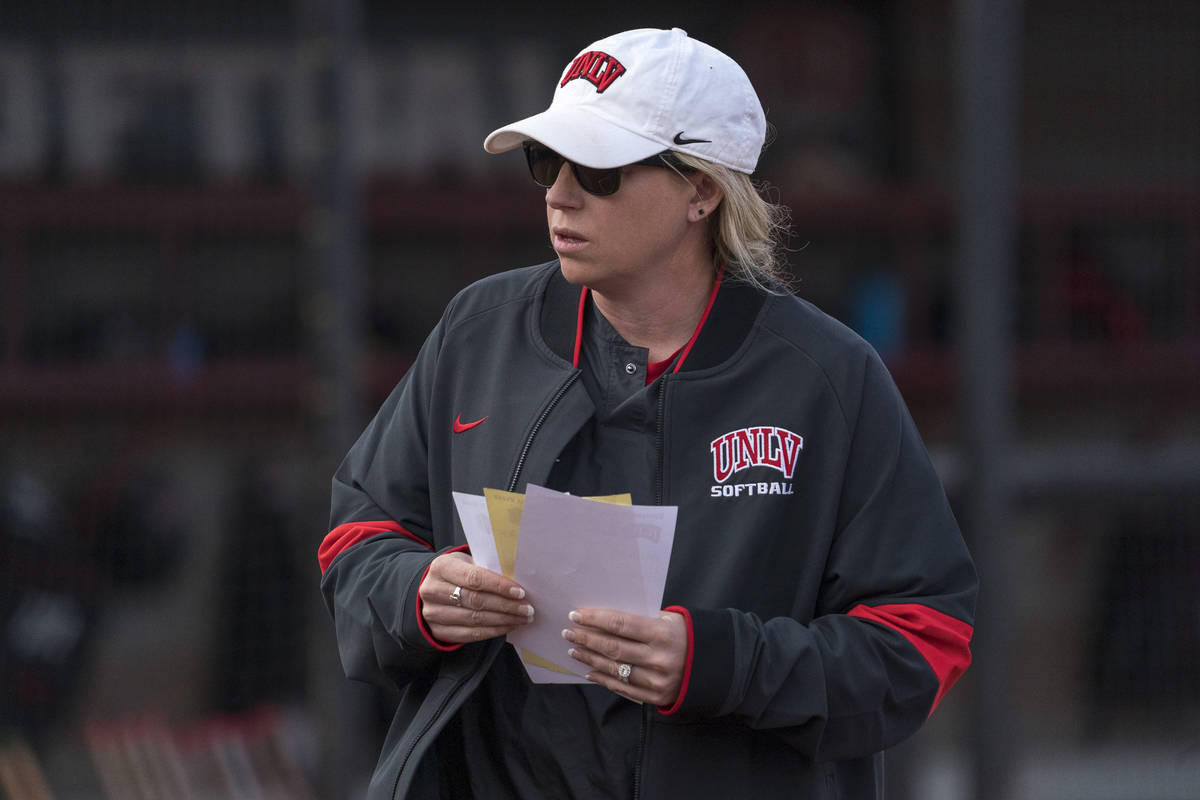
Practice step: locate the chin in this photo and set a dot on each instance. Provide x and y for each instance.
(575, 272)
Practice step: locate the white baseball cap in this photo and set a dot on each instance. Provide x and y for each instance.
(638, 93)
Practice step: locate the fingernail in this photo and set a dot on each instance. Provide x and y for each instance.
(566, 634)
(574, 616)
(517, 592)
(571, 652)
(527, 611)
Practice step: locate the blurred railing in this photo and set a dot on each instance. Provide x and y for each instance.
(1080, 330)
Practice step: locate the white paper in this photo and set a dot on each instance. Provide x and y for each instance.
(473, 513)
(575, 553)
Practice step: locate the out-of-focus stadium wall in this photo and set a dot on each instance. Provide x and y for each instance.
(170, 412)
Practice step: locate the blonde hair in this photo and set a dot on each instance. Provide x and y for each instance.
(748, 230)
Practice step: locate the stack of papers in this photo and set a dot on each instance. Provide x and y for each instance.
(569, 552)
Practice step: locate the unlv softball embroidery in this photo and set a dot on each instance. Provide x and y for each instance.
(763, 446)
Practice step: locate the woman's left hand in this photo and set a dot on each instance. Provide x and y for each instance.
(653, 648)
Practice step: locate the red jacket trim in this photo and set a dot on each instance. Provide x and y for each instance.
(583, 296)
(943, 641)
(682, 352)
(687, 664)
(351, 533)
(445, 648)
(712, 298)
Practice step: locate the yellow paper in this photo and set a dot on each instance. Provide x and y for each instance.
(535, 660)
(504, 511)
(615, 499)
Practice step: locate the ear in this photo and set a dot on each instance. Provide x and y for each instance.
(707, 197)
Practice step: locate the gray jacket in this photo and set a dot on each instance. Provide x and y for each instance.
(828, 591)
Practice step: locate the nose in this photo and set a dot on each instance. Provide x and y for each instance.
(566, 192)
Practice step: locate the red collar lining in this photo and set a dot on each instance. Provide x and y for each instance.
(687, 348)
(583, 295)
(712, 298)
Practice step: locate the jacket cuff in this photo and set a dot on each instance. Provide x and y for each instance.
(709, 664)
(687, 664)
(445, 648)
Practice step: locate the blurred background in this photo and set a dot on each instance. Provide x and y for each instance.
(225, 228)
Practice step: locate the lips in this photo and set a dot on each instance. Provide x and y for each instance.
(569, 234)
(567, 239)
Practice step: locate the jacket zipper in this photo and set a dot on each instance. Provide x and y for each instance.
(660, 441)
(562, 390)
(537, 426)
(424, 730)
(512, 484)
(659, 447)
(637, 767)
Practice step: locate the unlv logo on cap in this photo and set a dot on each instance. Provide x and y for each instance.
(599, 68)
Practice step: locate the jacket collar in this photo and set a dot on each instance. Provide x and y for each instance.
(729, 322)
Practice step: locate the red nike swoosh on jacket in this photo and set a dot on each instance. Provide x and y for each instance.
(460, 426)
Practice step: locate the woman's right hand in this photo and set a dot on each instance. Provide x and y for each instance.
(488, 604)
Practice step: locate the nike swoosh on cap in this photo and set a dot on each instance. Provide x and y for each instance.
(679, 139)
(460, 426)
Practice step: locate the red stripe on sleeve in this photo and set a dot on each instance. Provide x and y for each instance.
(943, 641)
(687, 664)
(351, 533)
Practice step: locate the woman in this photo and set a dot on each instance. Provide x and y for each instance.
(819, 596)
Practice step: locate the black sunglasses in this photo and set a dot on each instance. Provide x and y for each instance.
(545, 164)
